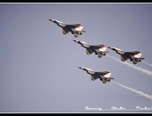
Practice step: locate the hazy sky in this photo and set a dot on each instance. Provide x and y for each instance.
(39, 65)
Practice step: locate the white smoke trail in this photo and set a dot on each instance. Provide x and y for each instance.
(133, 66)
(147, 63)
(135, 91)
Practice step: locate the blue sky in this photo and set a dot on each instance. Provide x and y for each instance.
(39, 65)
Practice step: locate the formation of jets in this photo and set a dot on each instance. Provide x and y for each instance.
(99, 50)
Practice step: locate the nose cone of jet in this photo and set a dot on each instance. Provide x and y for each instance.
(75, 40)
(80, 67)
(111, 48)
(51, 19)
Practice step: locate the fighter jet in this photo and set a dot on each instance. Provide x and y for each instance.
(134, 56)
(75, 29)
(99, 50)
(104, 76)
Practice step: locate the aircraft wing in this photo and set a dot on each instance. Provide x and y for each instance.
(77, 31)
(79, 28)
(123, 58)
(105, 74)
(133, 52)
(73, 25)
(93, 78)
(88, 52)
(65, 31)
(100, 48)
(106, 77)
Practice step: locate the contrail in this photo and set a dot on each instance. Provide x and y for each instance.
(147, 63)
(133, 66)
(135, 91)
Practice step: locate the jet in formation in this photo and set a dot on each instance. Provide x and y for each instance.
(99, 50)
(104, 76)
(75, 29)
(134, 56)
